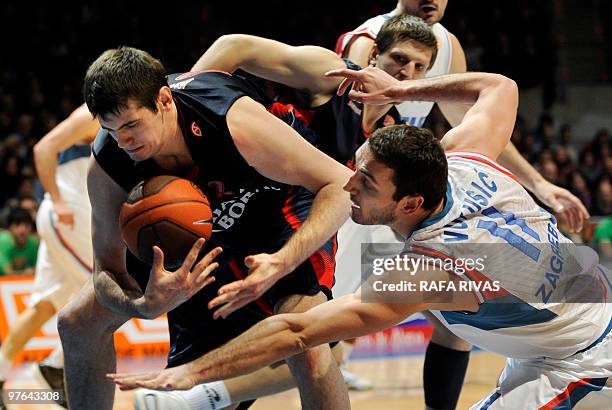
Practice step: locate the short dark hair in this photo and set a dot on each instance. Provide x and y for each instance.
(406, 27)
(417, 159)
(18, 216)
(120, 74)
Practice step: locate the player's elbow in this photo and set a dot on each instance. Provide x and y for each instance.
(236, 43)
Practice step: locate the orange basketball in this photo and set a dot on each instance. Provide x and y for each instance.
(166, 211)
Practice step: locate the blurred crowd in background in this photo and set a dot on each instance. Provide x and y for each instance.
(49, 48)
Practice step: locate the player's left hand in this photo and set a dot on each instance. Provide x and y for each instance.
(176, 378)
(568, 208)
(264, 270)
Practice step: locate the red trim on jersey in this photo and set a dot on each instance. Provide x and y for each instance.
(193, 73)
(486, 161)
(281, 110)
(472, 274)
(322, 262)
(238, 273)
(605, 289)
(356, 33)
(65, 244)
(564, 395)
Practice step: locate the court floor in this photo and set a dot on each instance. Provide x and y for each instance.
(397, 383)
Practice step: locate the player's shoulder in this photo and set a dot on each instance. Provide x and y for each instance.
(193, 79)
(102, 142)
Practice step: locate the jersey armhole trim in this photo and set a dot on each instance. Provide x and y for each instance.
(483, 159)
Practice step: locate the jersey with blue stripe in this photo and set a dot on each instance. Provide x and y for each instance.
(411, 112)
(539, 282)
(71, 174)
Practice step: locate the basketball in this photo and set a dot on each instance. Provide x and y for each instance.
(166, 211)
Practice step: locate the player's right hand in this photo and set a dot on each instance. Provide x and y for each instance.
(65, 214)
(168, 289)
(370, 85)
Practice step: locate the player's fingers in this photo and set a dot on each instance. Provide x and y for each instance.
(343, 72)
(357, 95)
(344, 85)
(221, 299)
(231, 307)
(236, 286)
(579, 205)
(192, 256)
(158, 259)
(207, 260)
(204, 278)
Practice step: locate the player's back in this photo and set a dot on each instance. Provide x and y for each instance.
(539, 294)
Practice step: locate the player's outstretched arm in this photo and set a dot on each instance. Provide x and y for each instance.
(275, 339)
(79, 127)
(278, 152)
(297, 67)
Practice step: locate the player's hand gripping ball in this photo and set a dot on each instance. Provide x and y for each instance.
(166, 211)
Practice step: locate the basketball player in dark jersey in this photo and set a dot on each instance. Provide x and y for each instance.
(263, 178)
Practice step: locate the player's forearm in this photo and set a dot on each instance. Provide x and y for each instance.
(523, 170)
(268, 342)
(121, 299)
(328, 212)
(461, 88)
(228, 53)
(45, 161)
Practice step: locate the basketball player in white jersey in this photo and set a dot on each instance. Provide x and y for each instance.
(65, 256)
(533, 297)
(356, 46)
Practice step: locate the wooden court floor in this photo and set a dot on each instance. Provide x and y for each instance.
(397, 384)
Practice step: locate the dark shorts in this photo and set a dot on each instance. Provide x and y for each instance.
(194, 332)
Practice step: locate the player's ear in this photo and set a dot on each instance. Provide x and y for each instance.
(373, 55)
(410, 204)
(164, 98)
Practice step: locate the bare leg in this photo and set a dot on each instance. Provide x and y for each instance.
(26, 325)
(86, 329)
(315, 371)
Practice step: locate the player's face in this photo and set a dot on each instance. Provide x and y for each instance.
(137, 130)
(431, 11)
(372, 188)
(405, 60)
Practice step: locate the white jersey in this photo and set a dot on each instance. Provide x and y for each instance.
(71, 174)
(412, 112)
(533, 270)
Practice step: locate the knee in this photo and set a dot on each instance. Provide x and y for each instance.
(72, 321)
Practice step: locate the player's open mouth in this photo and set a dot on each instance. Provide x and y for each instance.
(428, 8)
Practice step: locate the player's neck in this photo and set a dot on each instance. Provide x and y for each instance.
(175, 155)
(405, 226)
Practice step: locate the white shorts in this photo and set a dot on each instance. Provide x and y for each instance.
(581, 381)
(65, 256)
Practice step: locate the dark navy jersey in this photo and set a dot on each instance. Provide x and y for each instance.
(251, 213)
(241, 197)
(338, 124)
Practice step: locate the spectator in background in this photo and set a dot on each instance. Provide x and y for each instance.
(579, 187)
(589, 169)
(564, 164)
(10, 175)
(565, 140)
(603, 198)
(602, 238)
(18, 245)
(550, 171)
(30, 204)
